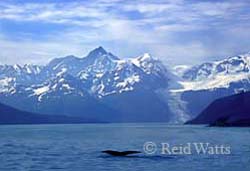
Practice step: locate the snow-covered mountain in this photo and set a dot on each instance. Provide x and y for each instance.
(142, 72)
(91, 84)
(13, 76)
(202, 84)
(104, 87)
(218, 74)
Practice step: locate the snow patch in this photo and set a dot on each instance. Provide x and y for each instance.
(218, 81)
(5, 84)
(41, 90)
(66, 86)
(129, 81)
(99, 75)
(63, 70)
(179, 70)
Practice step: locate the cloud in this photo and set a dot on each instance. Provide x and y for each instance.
(51, 13)
(98, 11)
(150, 8)
(39, 52)
(181, 30)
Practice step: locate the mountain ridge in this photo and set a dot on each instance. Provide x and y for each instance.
(99, 80)
(71, 85)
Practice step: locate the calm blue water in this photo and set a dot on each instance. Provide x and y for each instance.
(77, 147)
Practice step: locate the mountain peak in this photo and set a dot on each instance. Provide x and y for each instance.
(97, 52)
(100, 51)
(100, 48)
(145, 56)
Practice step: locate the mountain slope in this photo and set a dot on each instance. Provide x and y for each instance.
(228, 111)
(9, 115)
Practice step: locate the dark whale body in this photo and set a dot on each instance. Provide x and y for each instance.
(120, 153)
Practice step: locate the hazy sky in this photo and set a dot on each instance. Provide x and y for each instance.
(176, 31)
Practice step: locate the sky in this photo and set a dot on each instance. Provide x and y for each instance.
(175, 31)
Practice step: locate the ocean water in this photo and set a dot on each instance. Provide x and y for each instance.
(78, 147)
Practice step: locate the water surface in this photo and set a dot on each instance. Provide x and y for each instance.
(78, 147)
